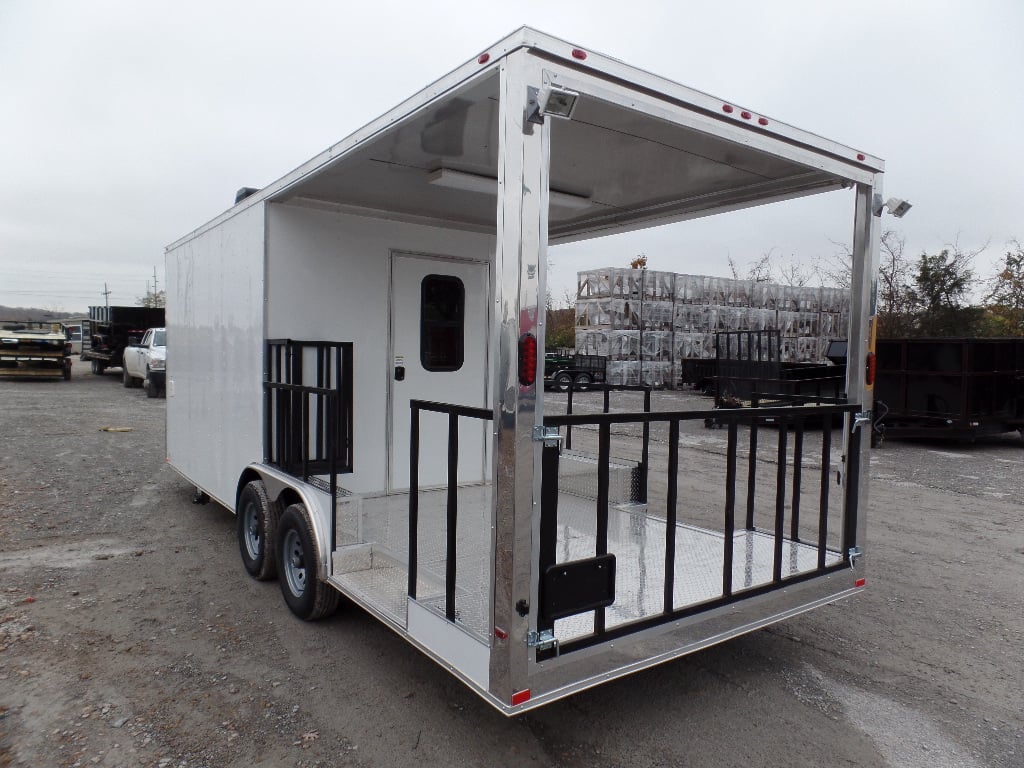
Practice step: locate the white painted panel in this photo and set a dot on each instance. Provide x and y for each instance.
(327, 280)
(449, 643)
(215, 343)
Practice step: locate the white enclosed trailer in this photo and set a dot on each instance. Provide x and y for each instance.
(356, 355)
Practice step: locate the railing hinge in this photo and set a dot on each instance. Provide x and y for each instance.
(547, 435)
(542, 640)
(862, 418)
(853, 553)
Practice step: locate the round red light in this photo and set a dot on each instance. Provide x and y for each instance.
(527, 359)
(727, 108)
(762, 121)
(484, 58)
(745, 115)
(578, 54)
(860, 156)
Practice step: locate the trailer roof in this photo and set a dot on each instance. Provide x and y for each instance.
(434, 157)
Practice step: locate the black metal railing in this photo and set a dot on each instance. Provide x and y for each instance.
(786, 420)
(307, 411)
(607, 389)
(454, 413)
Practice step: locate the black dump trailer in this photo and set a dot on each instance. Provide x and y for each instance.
(114, 328)
(955, 388)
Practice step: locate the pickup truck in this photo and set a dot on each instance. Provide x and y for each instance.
(145, 363)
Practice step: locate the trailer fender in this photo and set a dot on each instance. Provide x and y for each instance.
(286, 490)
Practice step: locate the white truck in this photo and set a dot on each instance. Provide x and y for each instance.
(358, 374)
(144, 363)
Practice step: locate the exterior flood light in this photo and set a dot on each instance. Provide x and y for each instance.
(894, 205)
(550, 100)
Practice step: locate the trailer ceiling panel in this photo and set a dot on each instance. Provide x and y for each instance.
(614, 167)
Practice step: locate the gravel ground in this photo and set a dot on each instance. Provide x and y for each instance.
(130, 634)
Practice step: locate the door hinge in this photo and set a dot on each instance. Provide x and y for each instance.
(547, 435)
(542, 640)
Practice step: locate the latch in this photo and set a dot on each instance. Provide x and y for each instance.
(542, 640)
(862, 418)
(853, 553)
(547, 435)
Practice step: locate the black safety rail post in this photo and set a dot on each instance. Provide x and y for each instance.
(607, 401)
(548, 520)
(752, 471)
(826, 484)
(568, 428)
(730, 507)
(414, 493)
(645, 448)
(798, 460)
(603, 474)
(451, 553)
(780, 500)
(268, 399)
(852, 492)
(671, 513)
(332, 461)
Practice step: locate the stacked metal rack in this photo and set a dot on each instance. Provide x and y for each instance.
(652, 325)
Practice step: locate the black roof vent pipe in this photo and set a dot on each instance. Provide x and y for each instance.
(244, 192)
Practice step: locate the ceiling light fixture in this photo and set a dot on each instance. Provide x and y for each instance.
(473, 182)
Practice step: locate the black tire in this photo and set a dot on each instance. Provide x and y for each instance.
(67, 372)
(151, 389)
(563, 381)
(257, 529)
(582, 382)
(98, 368)
(126, 379)
(297, 561)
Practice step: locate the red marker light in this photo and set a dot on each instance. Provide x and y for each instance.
(860, 582)
(520, 696)
(500, 633)
(484, 58)
(746, 115)
(870, 367)
(860, 156)
(527, 359)
(727, 108)
(762, 121)
(581, 55)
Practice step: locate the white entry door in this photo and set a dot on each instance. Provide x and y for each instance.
(439, 335)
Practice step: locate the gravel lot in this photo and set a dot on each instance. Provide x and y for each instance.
(130, 634)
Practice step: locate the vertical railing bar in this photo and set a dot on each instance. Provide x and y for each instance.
(603, 457)
(321, 383)
(645, 449)
(826, 461)
(751, 474)
(331, 411)
(304, 431)
(414, 494)
(568, 427)
(671, 513)
(798, 460)
(730, 507)
(852, 491)
(780, 500)
(607, 399)
(453, 514)
(548, 521)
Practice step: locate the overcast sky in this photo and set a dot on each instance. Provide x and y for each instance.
(126, 124)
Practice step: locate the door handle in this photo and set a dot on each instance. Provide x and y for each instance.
(399, 373)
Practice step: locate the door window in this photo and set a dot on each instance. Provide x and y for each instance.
(442, 323)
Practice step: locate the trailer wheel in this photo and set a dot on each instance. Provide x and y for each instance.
(297, 558)
(257, 528)
(151, 388)
(582, 382)
(126, 379)
(67, 372)
(563, 381)
(98, 368)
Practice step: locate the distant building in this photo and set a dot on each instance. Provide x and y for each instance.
(649, 321)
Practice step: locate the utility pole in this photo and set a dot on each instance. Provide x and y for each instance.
(106, 299)
(154, 281)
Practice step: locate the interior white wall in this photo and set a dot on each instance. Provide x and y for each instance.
(215, 353)
(327, 280)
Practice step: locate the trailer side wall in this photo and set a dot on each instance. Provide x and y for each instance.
(215, 292)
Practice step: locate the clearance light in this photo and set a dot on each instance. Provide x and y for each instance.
(520, 697)
(860, 582)
(727, 108)
(762, 121)
(746, 115)
(527, 361)
(860, 156)
(869, 369)
(578, 54)
(484, 58)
